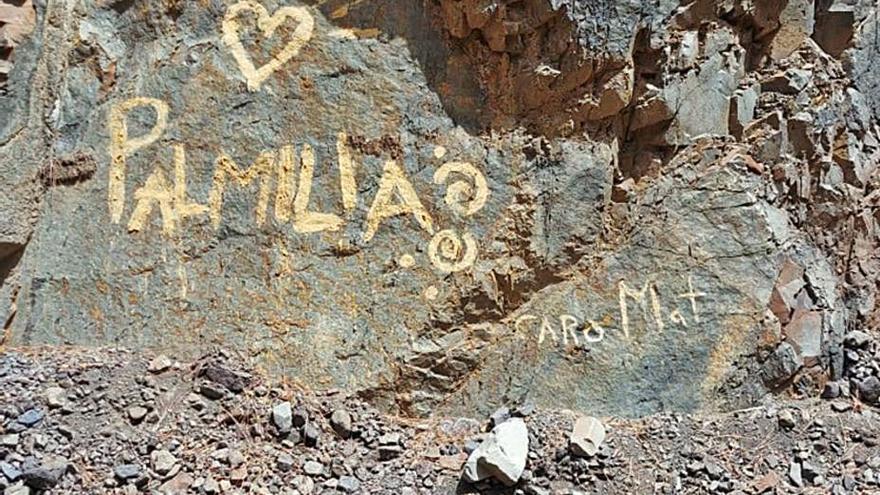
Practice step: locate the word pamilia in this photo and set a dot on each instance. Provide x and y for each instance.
(275, 172)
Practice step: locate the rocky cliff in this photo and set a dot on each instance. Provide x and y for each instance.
(449, 205)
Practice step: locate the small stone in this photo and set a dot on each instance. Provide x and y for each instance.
(285, 462)
(805, 332)
(303, 484)
(56, 397)
(527, 408)
(831, 390)
(856, 339)
(587, 436)
(313, 468)
(794, 474)
(500, 415)
(348, 484)
(300, 417)
(177, 484)
(282, 417)
(221, 455)
(390, 439)
(743, 104)
(340, 421)
(714, 471)
(137, 413)
(31, 417)
(45, 475)
(239, 474)
(9, 471)
(163, 461)
(786, 419)
(869, 390)
(18, 489)
(124, 472)
(211, 391)
(10, 440)
(235, 458)
(293, 438)
(211, 486)
(388, 452)
(159, 364)
(232, 380)
(695, 467)
(781, 365)
(809, 471)
(311, 434)
(852, 356)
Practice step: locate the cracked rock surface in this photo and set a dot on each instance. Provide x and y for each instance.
(449, 206)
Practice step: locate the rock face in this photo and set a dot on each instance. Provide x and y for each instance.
(615, 206)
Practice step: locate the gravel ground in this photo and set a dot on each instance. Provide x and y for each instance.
(116, 421)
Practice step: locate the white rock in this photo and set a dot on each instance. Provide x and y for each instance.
(159, 364)
(56, 397)
(282, 416)
(586, 436)
(10, 440)
(502, 455)
(163, 461)
(18, 489)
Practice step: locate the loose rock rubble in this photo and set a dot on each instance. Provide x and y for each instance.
(65, 427)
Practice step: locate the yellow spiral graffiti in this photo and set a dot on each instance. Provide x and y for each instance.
(464, 198)
(451, 253)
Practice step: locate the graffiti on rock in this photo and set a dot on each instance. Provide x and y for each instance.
(644, 302)
(305, 26)
(288, 172)
(283, 179)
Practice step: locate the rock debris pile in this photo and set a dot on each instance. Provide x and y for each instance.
(66, 426)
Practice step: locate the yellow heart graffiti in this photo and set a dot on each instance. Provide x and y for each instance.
(267, 24)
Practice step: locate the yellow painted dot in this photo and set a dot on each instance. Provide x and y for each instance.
(406, 261)
(431, 293)
(439, 152)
